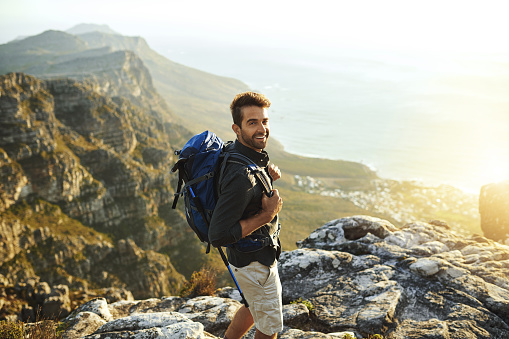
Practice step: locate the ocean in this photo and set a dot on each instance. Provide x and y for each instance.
(432, 118)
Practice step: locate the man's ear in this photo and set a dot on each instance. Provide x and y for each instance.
(236, 129)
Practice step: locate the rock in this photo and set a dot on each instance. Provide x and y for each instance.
(228, 292)
(83, 324)
(190, 330)
(494, 210)
(57, 304)
(337, 232)
(97, 306)
(421, 281)
(214, 313)
(295, 315)
(290, 333)
(151, 325)
(387, 284)
(12, 181)
(425, 267)
(142, 321)
(124, 308)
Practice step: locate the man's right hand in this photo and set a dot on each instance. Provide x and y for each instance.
(270, 208)
(272, 205)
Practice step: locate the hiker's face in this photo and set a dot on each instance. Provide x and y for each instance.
(254, 130)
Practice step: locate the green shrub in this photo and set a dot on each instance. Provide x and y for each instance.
(306, 303)
(45, 329)
(11, 330)
(201, 283)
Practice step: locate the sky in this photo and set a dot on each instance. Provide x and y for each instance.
(445, 26)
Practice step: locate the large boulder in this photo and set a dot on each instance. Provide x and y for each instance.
(494, 210)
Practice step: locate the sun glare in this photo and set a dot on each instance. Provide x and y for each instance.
(495, 167)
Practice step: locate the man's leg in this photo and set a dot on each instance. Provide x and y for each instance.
(241, 323)
(262, 290)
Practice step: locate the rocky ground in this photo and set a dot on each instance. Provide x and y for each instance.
(361, 275)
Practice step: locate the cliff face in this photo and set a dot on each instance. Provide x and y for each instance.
(82, 165)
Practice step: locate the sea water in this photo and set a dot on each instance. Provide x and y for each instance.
(433, 118)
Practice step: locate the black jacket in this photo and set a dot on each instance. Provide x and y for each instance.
(239, 197)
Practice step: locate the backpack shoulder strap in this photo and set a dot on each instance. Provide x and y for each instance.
(253, 168)
(181, 180)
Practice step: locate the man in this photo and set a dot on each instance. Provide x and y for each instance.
(243, 209)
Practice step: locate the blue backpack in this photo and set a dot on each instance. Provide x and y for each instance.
(201, 160)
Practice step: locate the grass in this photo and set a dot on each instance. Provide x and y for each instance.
(11, 330)
(202, 283)
(43, 329)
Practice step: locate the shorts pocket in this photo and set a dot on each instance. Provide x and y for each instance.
(262, 274)
(268, 317)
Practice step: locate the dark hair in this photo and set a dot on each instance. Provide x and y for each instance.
(246, 99)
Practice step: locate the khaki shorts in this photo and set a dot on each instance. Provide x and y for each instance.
(262, 290)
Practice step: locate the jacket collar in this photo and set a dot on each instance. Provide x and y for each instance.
(259, 158)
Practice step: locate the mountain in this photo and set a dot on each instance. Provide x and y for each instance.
(85, 28)
(197, 98)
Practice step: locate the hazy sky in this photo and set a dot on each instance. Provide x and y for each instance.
(404, 24)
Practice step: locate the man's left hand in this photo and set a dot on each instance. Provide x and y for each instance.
(274, 172)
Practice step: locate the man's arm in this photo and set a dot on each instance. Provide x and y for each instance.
(234, 196)
(270, 208)
(227, 225)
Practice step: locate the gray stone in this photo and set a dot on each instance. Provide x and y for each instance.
(83, 324)
(214, 313)
(98, 306)
(190, 330)
(143, 321)
(295, 315)
(420, 281)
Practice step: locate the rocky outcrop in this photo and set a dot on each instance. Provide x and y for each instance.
(172, 317)
(421, 281)
(112, 73)
(73, 161)
(494, 209)
(33, 299)
(358, 276)
(79, 260)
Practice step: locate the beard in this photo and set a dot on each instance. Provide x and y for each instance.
(253, 141)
